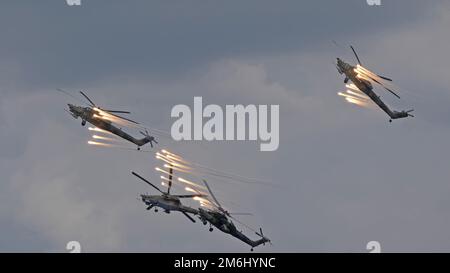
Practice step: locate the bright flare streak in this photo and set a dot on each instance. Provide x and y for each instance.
(347, 96)
(366, 71)
(172, 154)
(104, 138)
(180, 179)
(120, 121)
(355, 101)
(163, 159)
(177, 169)
(170, 159)
(164, 184)
(352, 86)
(166, 172)
(107, 116)
(101, 117)
(202, 200)
(177, 159)
(161, 170)
(115, 120)
(100, 130)
(161, 156)
(90, 142)
(359, 95)
(190, 183)
(351, 98)
(206, 205)
(171, 162)
(206, 202)
(101, 112)
(361, 76)
(180, 166)
(165, 178)
(192, 190)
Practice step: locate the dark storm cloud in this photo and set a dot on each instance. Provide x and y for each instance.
(343, 175)
(52, 44)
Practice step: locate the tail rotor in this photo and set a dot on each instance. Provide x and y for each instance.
(261, 234)
(149, 138)
(409, 113)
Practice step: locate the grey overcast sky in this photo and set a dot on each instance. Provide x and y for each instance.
(343, 175)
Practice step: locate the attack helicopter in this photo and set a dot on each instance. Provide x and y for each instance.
(219, 217)
(104, 120)
(167, 201)
(361, 79)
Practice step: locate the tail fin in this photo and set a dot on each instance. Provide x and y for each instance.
(263, 239)
(402, 114)
(146, 139)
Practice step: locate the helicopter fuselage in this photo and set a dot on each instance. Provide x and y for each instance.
(167, 203)
(221, 221)
(94, 117)
(366, 87)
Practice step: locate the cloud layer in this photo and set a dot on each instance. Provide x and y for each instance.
(344, 176)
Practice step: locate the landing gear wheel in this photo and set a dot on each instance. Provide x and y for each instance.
(210, 229)
(156, 210)
(83, 122)
(251, 249)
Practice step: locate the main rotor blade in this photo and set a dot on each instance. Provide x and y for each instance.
(241, 213)
(392, 92)
(117, 111)
(170, 174)
(260, 233)
(148, 182)
(356, 55)
(189, 195)
(122, 117)
(187, 215)
(245, 225)
(384, 78)
(84, 95)
(375, 80)
(336, 44)
(212, 195)
(70, 95)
